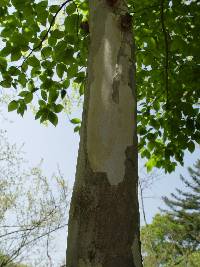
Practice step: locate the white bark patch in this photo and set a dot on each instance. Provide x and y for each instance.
(110, 121)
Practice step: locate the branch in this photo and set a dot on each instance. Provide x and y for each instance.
(26, 243)
(30, 227)
(48, 255)
(49, 29)
(142, 203)
(164, 30)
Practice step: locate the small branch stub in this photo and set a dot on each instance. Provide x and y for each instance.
(126, 22)
(111, 3)
(85, 26)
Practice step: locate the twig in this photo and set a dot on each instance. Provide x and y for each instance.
(29, 227)
(48, 255)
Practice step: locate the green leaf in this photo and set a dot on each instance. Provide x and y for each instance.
(151, 163)
(44, 95)
(38, 114)
(66, 83)
(196, 137)
(191, 146)
(71, 23)
(6, 50)
(33, 61)
(27, 95)
(82, 89)
(46, 51)
(42, 103)
(75, 121)
(63, 93)
(53, 118)
(16, 55)
(6, 83)
(77, 129)
(71, 8)
(28, 98)
(13, 105)
(54, 8)
(57, 34)
(3, 63)
(13, 71)
(145, 153)
(22, 79)
(21, 107)
(52, 41)
(53, 95)
(60, 69)
(23, 93)
(58, 108)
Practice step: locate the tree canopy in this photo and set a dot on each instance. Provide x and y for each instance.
(44, 50)
(163, 245)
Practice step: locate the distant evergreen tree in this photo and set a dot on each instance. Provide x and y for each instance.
(163, 244)
(185, 208)
(173, 238)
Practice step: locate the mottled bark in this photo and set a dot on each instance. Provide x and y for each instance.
(104, 215)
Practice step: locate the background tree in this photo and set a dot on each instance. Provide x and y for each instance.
(4, 258)
(32, 209)
(172, 239)
(163, 244)
(184, 208)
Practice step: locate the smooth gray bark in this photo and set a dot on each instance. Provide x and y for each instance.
(104, 214)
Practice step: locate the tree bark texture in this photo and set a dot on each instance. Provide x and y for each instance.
(104, 214)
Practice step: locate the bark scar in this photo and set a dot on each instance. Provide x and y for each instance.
(115, 85)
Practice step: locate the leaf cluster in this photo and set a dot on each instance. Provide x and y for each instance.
(167, 62)
(42, 54)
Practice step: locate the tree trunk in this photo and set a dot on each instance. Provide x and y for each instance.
(104, 215)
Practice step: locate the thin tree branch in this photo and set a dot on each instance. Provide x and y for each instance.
(48, 255)
(26, 243)
(142, 203)
(48, 30)
(30, 227)
(165, 32)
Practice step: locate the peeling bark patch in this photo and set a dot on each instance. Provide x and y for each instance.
(111, 107)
